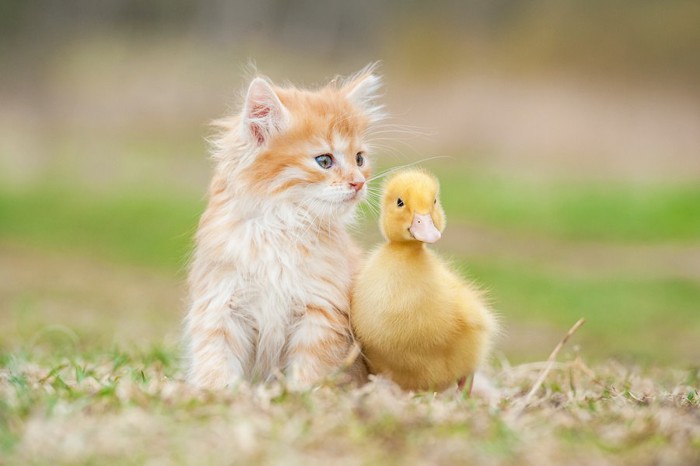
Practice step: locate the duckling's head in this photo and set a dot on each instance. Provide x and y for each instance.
(411, 210)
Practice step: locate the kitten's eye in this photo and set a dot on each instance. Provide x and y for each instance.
(399, 202)
(360, 159)
(325, 161)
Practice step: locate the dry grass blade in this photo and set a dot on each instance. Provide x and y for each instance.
(550, 363)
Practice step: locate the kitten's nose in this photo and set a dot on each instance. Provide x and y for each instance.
(357, 185)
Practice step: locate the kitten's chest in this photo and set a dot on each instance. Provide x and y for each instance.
(300, 272)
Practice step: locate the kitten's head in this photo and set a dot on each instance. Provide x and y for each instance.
(308, 147)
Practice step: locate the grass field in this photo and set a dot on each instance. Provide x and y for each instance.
(91, 298)
(118, 407)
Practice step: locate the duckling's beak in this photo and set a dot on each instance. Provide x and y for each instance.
(423, 229)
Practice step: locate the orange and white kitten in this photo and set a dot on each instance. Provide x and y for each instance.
(273, 264)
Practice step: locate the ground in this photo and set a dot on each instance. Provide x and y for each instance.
(118, 407)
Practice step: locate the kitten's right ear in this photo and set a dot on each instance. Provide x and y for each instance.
(263, 113)
(363, 88)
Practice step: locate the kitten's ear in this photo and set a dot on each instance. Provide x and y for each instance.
(263, 113)
(362, 89)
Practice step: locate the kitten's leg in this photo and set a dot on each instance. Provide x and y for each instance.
(318, 345)
(220, 347)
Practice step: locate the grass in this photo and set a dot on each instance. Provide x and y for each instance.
(590, 211)
(641, 320)
(120, 407)
(144, 228)
(156, 228)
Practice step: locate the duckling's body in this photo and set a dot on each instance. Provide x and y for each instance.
(418, 321)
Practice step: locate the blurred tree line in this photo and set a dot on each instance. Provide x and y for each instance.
(654, 37)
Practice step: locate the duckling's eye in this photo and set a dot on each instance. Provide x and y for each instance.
(360, 159)
(399, 202)
(435, 201)
(325, 161)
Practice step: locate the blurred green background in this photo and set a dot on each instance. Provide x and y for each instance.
(571, 130)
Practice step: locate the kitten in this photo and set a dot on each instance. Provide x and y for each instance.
(273, 265)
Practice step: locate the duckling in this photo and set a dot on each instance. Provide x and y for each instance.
(418, 321)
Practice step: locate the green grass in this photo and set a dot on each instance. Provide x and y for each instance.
(590, 211)
(653, 320)
(156, 229)
(148, 229)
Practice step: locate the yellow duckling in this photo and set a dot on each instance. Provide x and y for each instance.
(418, 321)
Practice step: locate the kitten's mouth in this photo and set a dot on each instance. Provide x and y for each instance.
(355, 196)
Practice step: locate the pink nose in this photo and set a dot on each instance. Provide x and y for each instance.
(357, 185)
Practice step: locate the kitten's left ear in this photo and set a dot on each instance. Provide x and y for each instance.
(362, 89)
(263, 113)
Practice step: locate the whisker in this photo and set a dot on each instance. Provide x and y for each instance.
(390, 170)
